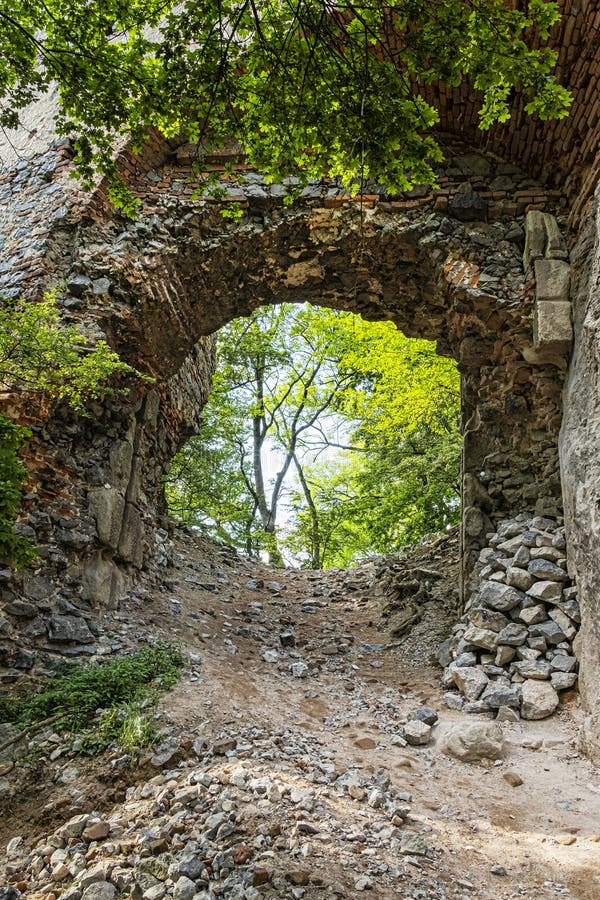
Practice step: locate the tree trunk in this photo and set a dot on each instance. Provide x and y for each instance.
(316, 560)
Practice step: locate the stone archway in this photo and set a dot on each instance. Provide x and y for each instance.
(447, 266)
(133, 281)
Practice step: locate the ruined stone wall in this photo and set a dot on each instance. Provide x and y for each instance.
(580, 457)
(563, 154)
(446, 265)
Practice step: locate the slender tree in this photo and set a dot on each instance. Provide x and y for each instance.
(362, 421)
(275, 385)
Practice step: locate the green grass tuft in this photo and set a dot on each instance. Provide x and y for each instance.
(105, 702)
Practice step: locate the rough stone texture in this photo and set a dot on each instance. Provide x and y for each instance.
(160, 286)
(474, 742)
(552, 328)
(416, 732)
(157, 288)
(539, 699)
(470, 680)
(579, 442)
(491, 653)
(545, 257)
(565, 153)
(552, 281)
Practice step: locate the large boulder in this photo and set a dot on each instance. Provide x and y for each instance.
(539, 699)
(474, 742)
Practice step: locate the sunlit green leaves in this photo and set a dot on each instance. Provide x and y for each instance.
(377, 468)
(307, 89)
(40, 355)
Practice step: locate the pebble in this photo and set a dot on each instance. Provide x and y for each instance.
(417, 732)
(299, 670)
(425, 714)
(512, 778)
(222, 821)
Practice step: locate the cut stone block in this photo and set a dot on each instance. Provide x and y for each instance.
(552, 326)
(535, 238)
(552, 280)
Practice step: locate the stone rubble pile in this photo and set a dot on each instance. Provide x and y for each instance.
(513, 650)
(230, 821)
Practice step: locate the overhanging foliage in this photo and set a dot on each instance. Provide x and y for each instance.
(307, 87)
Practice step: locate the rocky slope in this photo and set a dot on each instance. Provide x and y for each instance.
(306, 753)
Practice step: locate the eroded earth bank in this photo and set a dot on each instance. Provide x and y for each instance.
(289, 763)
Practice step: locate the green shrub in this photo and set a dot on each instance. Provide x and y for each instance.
(103, 702)
(40, 356)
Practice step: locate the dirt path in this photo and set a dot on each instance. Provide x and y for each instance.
(290, 721)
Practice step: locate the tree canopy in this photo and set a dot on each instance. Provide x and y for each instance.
(347, 427)
(307, 87)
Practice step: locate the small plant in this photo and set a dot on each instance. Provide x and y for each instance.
(103, 703)
(128, 726)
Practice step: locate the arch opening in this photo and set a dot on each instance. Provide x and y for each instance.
(326, 439)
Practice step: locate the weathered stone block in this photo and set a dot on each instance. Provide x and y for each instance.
(488, 619)
(498, 693)
(102, 581)
(552, 327)
(107, 506)
(37, 587)
(543, 238)
(471, 743)
(64, 629)
(467, 205)
(552, 280)
(121, 457)
(500, 596)
(535, 238)
(470, 681)
(539, 700)
(481, 637)
(131, 543)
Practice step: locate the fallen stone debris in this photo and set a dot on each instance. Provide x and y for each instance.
(512, 652)
(306, 752)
